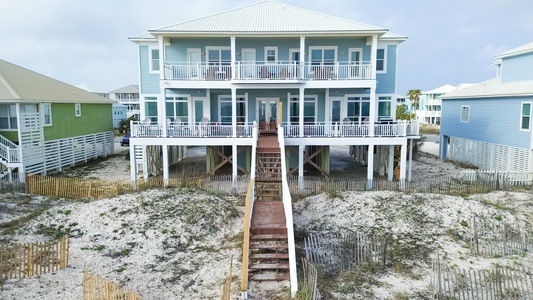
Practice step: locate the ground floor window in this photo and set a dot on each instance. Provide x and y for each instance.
(525, 116)
(309, 109)
(225, 111)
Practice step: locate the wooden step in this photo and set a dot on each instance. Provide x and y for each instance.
(269, 277)
(268, 230)
(276, 236)
(271, 246)
(268, 266)
(269, 255)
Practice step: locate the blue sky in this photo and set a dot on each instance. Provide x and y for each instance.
(450, 41)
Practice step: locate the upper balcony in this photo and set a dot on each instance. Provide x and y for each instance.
(259, 71)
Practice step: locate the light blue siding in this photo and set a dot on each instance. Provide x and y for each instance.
(387, 81)
(283, 44)
(493, 120)
(517, 68)
(177, 51)
(149, 82)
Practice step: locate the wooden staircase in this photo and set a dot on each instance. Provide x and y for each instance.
(269, 256)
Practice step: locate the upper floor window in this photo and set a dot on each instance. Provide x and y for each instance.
(150, 108)
(525, 116)
(154, 60)
(46, 114)
(465, 114)
(219, 56)
(177, 109)
(8, 116)
(323, 55)
(271, 55)
(77, 110)
(381, 64)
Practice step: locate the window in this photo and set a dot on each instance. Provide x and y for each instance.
(46, 114)
(77, 110)
(465, 114)
(219, 56)
(177, 107)
(525, 116)
(150, 108)
(381, 65)
(309, 109)
(8, 116)
(323, 55)
(271, 55)
(358, 108)
(225, 109)
(384, 107)
(154, 60)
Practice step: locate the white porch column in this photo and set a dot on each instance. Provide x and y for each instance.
(234, 162)
(234, 111)
(373, 100)
(145, 163)
(301, 112)
(162, 112)
(373, 111)
(301, 166)
(370, 165)
(390, 173)
(162, 55)
(165, 164)
(302, 56)
(374, 54)
(403, 164)
(409, 171)
(133, 167)
(233, 56)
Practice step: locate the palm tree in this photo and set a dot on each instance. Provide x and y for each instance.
(414, 97)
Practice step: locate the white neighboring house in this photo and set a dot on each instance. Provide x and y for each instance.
(431, 103)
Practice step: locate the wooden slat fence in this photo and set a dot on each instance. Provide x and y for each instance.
(335, 252)
(226, 286)
(26, 260)
(11, 183)
(99, 288)
(499, 239)
(76, 188)
(495, 284)
(504, 177)
(309, 286)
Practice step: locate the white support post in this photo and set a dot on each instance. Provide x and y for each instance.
(390, 173)
(234, 111)
(403, 163)
(234, 162)
(162, 55)
(370, 165)
(145, 163)
(162, 112)
(301, 112)
(233, 56)
(165, 164)
(301, 154)
(302, 56)
(409, 171)
(373, 111)
(133, 166)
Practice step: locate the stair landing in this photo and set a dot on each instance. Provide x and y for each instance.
(268, 215)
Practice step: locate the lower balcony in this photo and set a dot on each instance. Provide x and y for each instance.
(216, 130)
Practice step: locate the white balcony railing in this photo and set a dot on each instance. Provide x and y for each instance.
(262, 71)
(353, 129)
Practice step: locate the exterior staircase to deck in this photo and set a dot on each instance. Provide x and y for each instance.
(269, 256)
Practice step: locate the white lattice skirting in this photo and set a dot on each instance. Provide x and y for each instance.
(71, 151)
(489, 156)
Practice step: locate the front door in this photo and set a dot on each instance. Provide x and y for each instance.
(267, 109)
(248, 63)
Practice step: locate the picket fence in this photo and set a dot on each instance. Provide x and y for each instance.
(495, 284)
(309, 287)
(335, 252)
(26, 260)
(509, 177)
(494, 239)
(226, 286)
(99, 288)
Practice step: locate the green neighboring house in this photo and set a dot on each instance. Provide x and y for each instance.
(46, 124)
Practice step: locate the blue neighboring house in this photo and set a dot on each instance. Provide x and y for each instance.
(489, 124)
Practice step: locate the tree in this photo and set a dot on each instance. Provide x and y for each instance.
(414, 97)
(124, 125)
(402, 112)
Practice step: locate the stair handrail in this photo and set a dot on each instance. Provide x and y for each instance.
(287, 207)
(248, 210)
(9, 150)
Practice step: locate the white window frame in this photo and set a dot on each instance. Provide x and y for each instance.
(291, 52)
(467, 109)
(43, 113)
(9, 117)
(522, 116)
(358, 98)
(142, 108)
(77, 109)
(151, 62)
(384, 60)
(307, 98)
(227, 98)
(179, 99)
(352, 50)
(275, 55)
(382, 99)
(334, 48)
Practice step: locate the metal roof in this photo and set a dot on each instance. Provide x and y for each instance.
(441, 90)
(131, 89)
(18, 84)
(493, 88)
(516, 51)
(268, 17)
